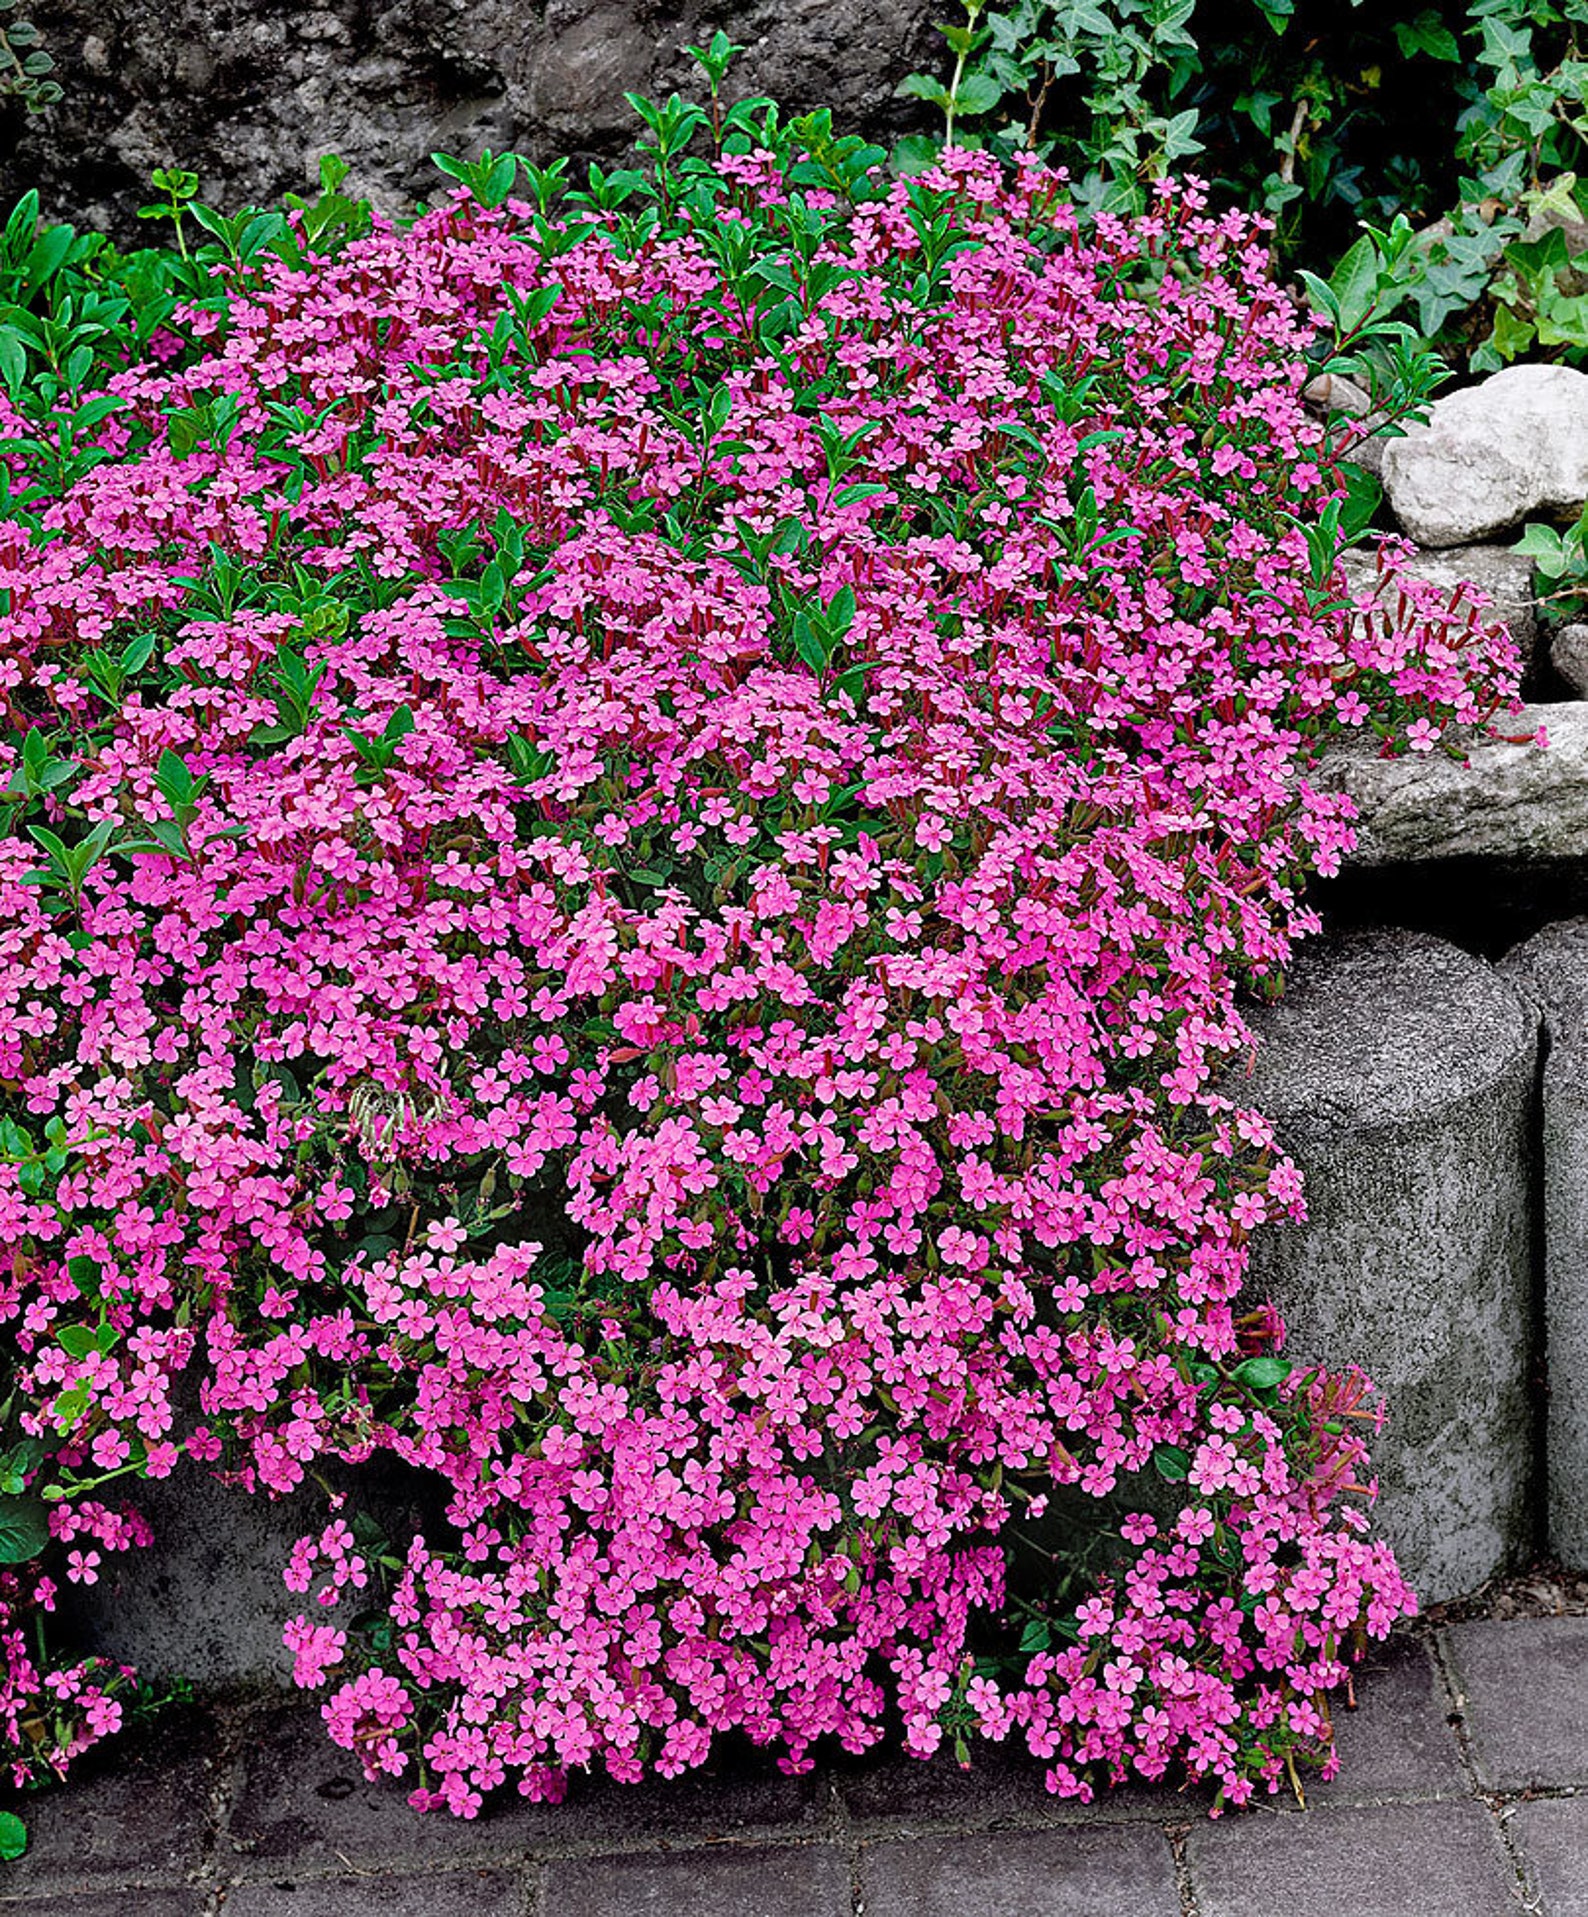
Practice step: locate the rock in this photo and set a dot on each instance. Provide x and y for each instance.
(1399, 1071)
(1503, 576)
(1510, 803)
(1552, 969)
(1333, 393)
(1513, 444)
(249, 93)
(206, 1600)
(1568, 654)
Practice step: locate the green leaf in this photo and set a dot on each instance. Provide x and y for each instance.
(1427, 34)
(914, 154)
(852, 495)
(1171, 1463)
(13, 1837)
(24, 1527)
(1363, 493)
(77, 1341)
(1262, 1374)
(66, 1410)
(977, 94)
(1354, 282)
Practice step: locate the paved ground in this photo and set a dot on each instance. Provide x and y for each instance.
(1464, 1794)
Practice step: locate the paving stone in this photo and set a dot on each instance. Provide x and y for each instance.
(1390, 1860)
(801, 1881)
(135, 1816)
(116, 1903)
(460, 1894)
(304, 1801)
(304, 1804)
(1002, 1786)
(1524, 1682)
(1398, 1742)
(1075, 1873)
(1552, 1835)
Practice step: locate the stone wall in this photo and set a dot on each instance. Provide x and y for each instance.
(250, 93)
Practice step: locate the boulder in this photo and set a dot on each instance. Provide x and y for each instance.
(1568, 654)
(1399, 1071)
(1490, 454)
(249, 93)
(1511, 802)
(1504, 577)
(1552, 970)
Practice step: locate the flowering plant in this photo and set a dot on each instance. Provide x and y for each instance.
(633, 821)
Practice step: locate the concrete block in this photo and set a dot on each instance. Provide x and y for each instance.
(1400, 1072)
(133, 1816)
(303, 1801)
(206, 1600)
(1004, 1785)
(1399, 1744)
(1395, 1860)
(1552, 1837)
(1091, 1873)
(801, 1881)
(1552, 969)
(469, 1894)
(1523, 1689)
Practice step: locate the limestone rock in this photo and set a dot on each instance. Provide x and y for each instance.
(1503, 576)
(1513, 444)
(1568, 652)
(1512, 803)
(1399, 1071)
(249, 93)
(1552, 969)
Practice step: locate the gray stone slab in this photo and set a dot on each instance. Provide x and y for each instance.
(137, 1815)
(1389, 1860)
(1523, 1687)
(1552, 1835)
(303, 1801)
(466, 1894)
(1002, 1786)
(116, 1903)
(1504, 575)
(1398, 1743)
(304, 1805)
(1075, 1873)
(1399, 1071)
(801, 1881)
(1552, 967)
(1510, 806)
(207, 1602)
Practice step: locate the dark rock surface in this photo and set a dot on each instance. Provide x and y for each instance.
(249, 95)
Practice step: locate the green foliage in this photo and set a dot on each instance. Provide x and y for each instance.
(24, 67)
(1560, 561)
(1299, 107)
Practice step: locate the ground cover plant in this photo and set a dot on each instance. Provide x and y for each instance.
(633, 823)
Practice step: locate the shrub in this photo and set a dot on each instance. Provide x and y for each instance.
(635, 817)
(1298, 108)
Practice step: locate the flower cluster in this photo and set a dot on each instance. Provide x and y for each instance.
(628, 884)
